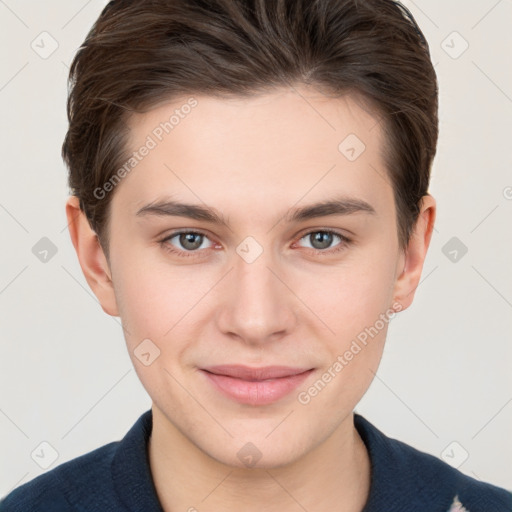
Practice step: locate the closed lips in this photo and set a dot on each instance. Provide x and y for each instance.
(255, 374)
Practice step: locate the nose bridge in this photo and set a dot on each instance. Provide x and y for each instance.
(257, 306)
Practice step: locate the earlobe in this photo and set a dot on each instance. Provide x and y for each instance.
(91, 256)
(414, 256)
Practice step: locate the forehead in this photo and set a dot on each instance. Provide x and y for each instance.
(273, 148)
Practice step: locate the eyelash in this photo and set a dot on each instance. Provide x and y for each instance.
(187, 254)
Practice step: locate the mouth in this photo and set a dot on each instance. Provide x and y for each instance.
(255, 386)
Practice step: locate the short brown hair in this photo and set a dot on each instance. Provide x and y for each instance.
(142, 52)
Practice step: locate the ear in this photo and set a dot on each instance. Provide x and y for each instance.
(91, 256)
(412, 259)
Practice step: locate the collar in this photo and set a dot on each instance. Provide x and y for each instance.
(131, 472)
(401, 477)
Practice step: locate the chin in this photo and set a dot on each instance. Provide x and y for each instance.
(260, 453)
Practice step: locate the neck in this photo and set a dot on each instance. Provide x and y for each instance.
(335, 475)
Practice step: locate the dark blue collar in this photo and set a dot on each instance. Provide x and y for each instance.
(403, 478)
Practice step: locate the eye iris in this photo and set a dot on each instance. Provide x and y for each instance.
(191, 240)
(323, 238)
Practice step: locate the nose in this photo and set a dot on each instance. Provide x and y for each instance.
(255, 305)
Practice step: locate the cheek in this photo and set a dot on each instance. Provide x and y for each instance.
(355, 304)
(148, 297)
(159, 301)
(153, 306)
(351, 298)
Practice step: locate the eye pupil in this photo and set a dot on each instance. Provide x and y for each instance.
(191, 241)
(323, 238)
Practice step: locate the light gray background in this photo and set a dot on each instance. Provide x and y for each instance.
(65, 375)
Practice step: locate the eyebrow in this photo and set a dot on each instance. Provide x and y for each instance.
(337, 206)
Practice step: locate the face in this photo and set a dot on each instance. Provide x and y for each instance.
(254, 274)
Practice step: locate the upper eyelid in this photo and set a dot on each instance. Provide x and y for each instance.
(185, 231)
(324, 230)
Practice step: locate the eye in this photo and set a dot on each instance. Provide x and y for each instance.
(184, 242)
(321, 240)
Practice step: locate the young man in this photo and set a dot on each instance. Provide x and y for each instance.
(250, 196)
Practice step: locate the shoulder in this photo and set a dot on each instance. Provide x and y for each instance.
(401, 473)
(65, 486)
(434, 476)
(115, 476)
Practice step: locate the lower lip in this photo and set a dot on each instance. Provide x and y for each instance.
(256, 392)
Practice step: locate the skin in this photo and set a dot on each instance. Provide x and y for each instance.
(254, 160)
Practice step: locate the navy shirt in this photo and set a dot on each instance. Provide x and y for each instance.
(117, 477)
